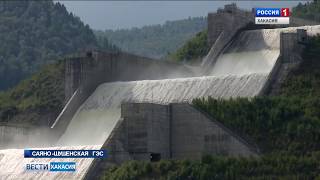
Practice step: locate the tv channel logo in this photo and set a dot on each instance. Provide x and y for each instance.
(272, 16)
(52, 166)
(272, 12)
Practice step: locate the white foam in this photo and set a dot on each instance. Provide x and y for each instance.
(96, 118)
(254, 51)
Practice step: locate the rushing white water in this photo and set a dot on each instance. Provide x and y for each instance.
(254, 51)
(13, 164)
(98, 115)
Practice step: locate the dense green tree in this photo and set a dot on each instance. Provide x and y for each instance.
(309, 10)
(36, 100)
(194, 49)
(272, 166)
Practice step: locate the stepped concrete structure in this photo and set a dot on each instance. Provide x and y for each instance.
(174, 131)
(140, 109)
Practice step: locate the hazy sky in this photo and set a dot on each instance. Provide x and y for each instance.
(126, 14)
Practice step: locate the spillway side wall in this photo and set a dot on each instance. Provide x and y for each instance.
(228, 19)
(117, 153)
(223, 26)
(86, 73)
(291, 47)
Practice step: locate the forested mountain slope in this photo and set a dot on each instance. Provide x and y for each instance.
(155, 41)
(36, 100)
(309, 10)
(34, 33)
(193, 50)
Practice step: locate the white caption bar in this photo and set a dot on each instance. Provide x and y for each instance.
(272, 20)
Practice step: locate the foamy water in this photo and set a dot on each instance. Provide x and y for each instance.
(99, 114)
(254, 51)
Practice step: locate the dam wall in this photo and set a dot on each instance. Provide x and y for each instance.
(148, 130)
(151, 132)
(99, 67)
(84, 74)
(291, 47)
(226, 19)
(292, 44)
(223, 26)
(194, 134)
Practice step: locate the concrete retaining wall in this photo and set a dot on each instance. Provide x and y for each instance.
(226, 20)
(117, 152)
(223, 26)
(148, 130)
(88, 72)
(291, 47)
(177, 131)
(195, 134)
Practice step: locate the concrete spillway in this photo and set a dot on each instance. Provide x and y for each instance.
(254, 51)
(251, 52)
(241, 70)
(98, 115)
